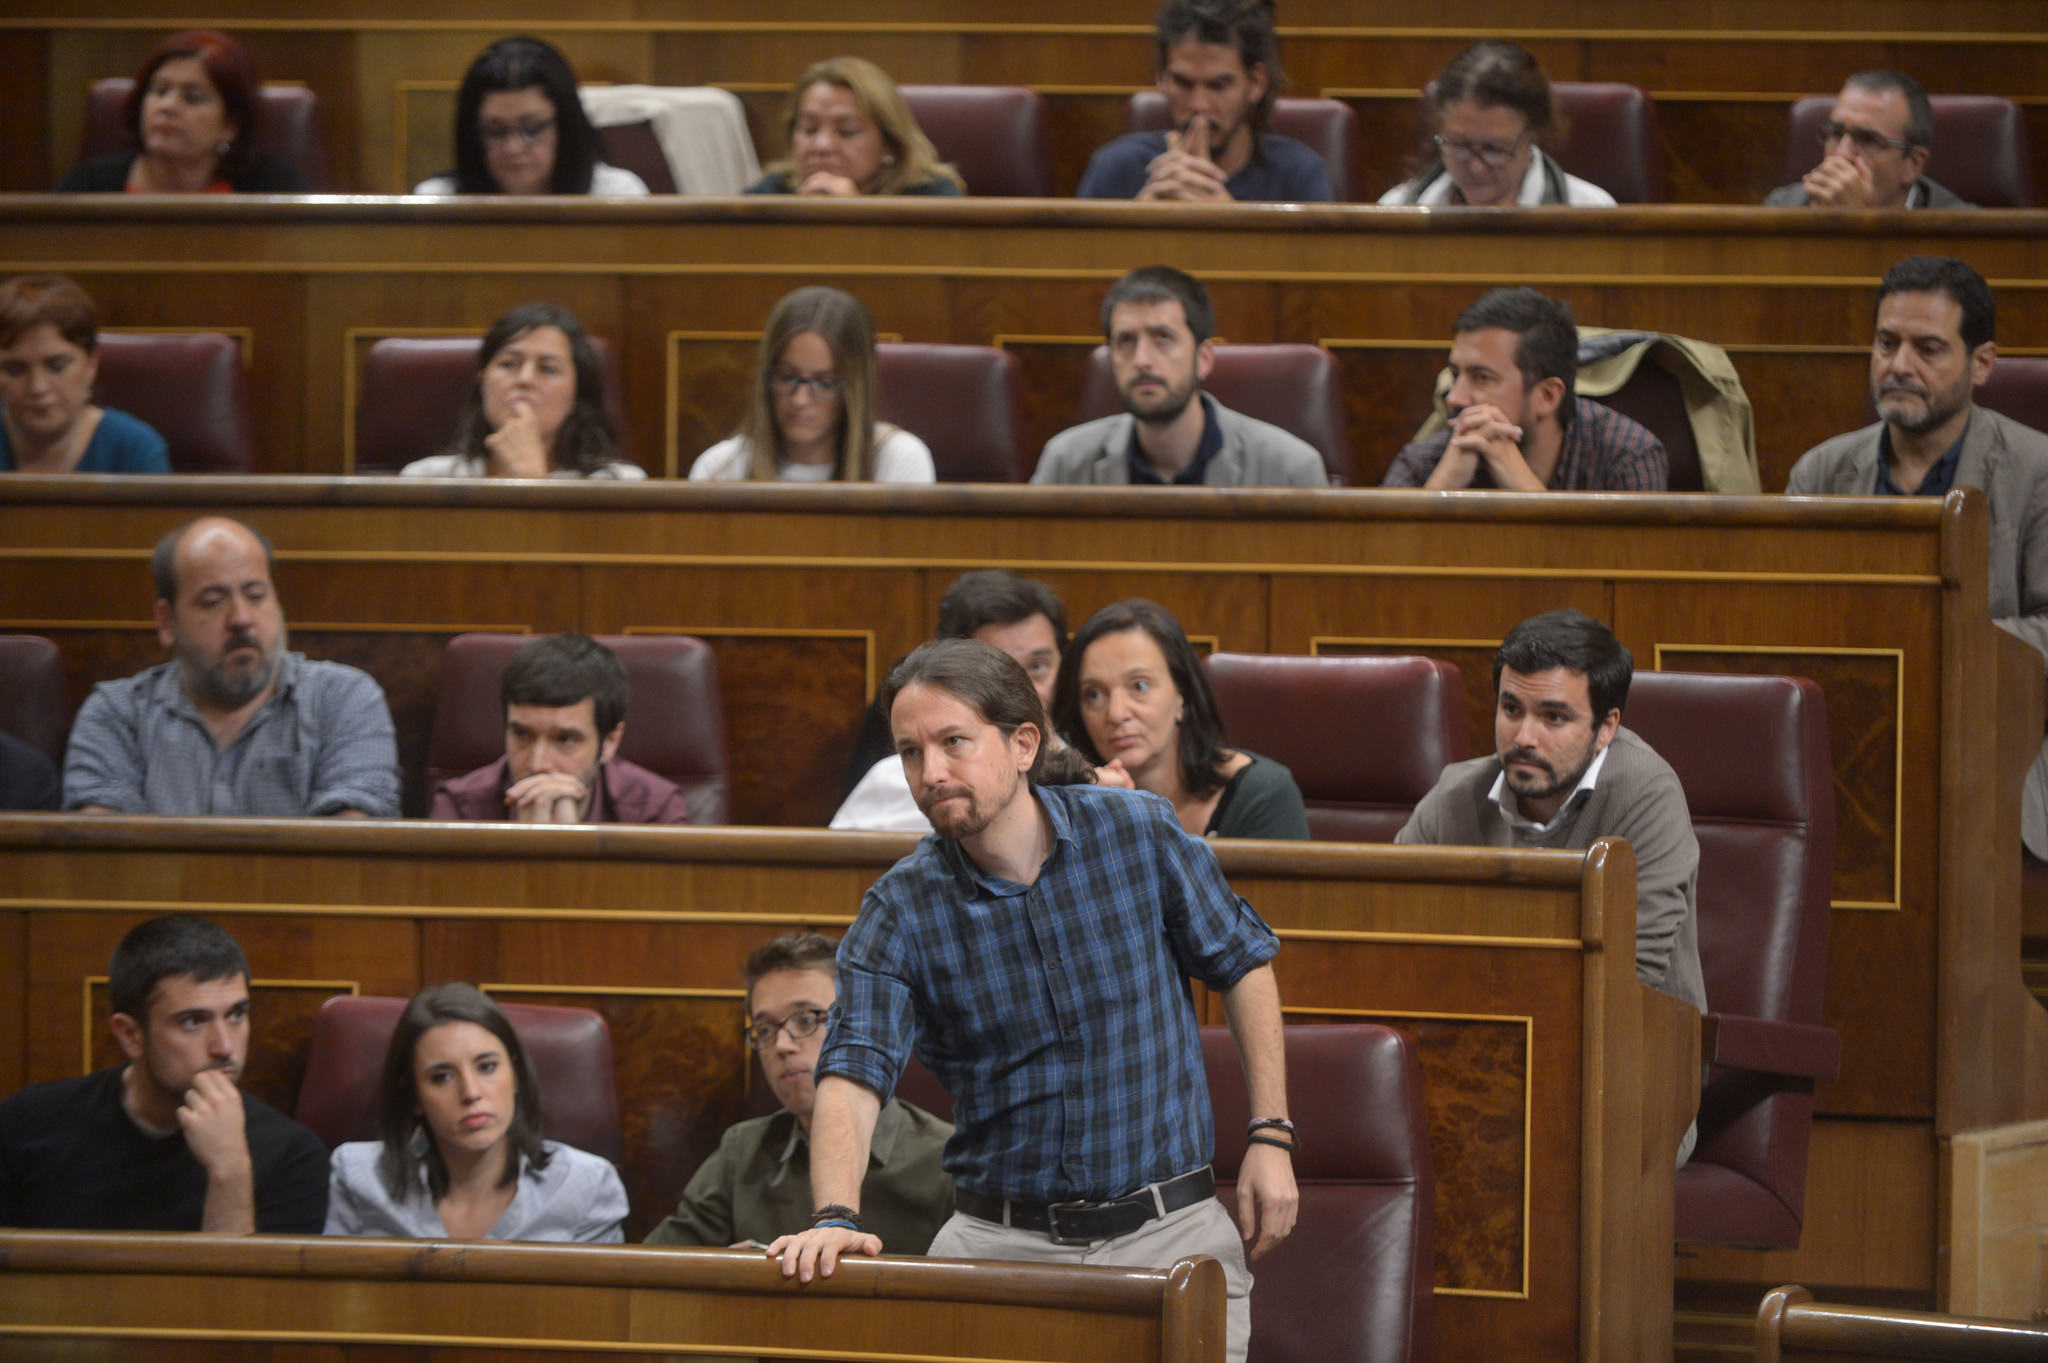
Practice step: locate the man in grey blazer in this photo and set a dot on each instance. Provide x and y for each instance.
(1160, 330)
(1934, 345)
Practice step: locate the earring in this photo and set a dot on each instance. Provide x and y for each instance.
(223, 147)
(418, 1144)
(889, 160)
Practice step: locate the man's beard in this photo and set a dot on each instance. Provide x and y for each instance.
(1165, 410)
(1938, 406)
(962, 824)
(1555, 784)
(215, 685)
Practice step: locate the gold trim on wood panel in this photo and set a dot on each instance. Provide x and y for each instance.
(866, 636)
(401, 139)
(437, 911)
(1429, 939)
(1316, 641)
(86, 1030)
(243, 337)
(1898, 657)
(611, 990)
(1528, 1024)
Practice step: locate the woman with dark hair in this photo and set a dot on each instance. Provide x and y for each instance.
(193, 114)
(49, 357)
(461, 1155)
(811, 415)
(537, 410)
(1132, 698)
(850, 133)
(520, 129)
(1491, 114)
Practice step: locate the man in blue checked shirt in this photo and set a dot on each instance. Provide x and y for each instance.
(1035, 954)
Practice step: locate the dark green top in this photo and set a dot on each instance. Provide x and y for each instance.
(757, 1184)
(1261, 801)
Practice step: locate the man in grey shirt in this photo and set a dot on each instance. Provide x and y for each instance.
(1159, 326)
(233, 724)
(1873, 148)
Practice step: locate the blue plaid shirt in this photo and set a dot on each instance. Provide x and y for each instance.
(1057, 1014)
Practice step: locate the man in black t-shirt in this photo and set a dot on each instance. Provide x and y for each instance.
(166, 1141)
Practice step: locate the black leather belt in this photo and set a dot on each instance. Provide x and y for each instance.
(1078, 1223)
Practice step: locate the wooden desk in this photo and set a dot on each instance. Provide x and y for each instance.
(681, 288)
(807, 592)
(1554, 1082)
(147, 1297)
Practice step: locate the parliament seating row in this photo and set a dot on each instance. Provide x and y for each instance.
(1352, 1282)
(998, 138)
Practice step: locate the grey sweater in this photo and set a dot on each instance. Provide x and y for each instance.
(1637, 796)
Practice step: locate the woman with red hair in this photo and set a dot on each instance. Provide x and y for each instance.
(192, 113)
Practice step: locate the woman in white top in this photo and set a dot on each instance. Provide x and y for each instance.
(461, 1155)
(1491, 111)
(811, 417)
(520, 129)
(537, 410)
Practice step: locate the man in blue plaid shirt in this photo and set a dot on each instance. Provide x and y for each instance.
(1035, 954)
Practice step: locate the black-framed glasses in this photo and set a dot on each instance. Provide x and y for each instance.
(783, 383)
(1486, 153)
(1869, 141)
(526, 134)
(800, 1024)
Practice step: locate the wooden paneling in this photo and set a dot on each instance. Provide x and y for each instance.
(278, 1298)
(1516, 972)
(681, 287)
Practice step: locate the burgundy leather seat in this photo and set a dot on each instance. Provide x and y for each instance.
(965, 401)
(190, 386)
(1366, 737)
(2018, 388)
(571, 1051)
(32, 704)
(1752, 754)
(633, 146)
(412, 389)
(287, 126)
(994, 135)
(1355, 1279)
(1327, 126)
(1611, 139)
(675, 724)
(1298, 388)
(1981, 149)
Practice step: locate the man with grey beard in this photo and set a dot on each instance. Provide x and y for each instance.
(233, 723)
(1934, 347)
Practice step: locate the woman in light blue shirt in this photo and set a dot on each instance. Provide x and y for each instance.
(462, 1156)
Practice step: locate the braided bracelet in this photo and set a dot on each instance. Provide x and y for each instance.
(1288, 1146)
(1271, 1124)
(836, 1214)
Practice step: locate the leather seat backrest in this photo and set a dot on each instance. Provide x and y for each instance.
(964, 401)
(994, 135)
(1981, 149)
(675, 721)
(32, 704)
(1298, 388)
(190, 386)
(1366, 737)
(411, 391)
(1328, 127)
(2018, 388)
(570, 1048)
(287, 126)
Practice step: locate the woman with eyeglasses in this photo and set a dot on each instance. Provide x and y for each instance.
(520, 129)
(537, 408)
(1490, 113)
(850, 133)
(811, 416)
(192, 113)
(460, 1154)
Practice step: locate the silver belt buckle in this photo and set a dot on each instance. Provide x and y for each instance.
(1052, 1222)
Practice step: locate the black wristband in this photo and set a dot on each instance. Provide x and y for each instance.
(1288, 1146)
(837, 1212)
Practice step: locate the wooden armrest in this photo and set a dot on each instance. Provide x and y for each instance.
(1797, 1049)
